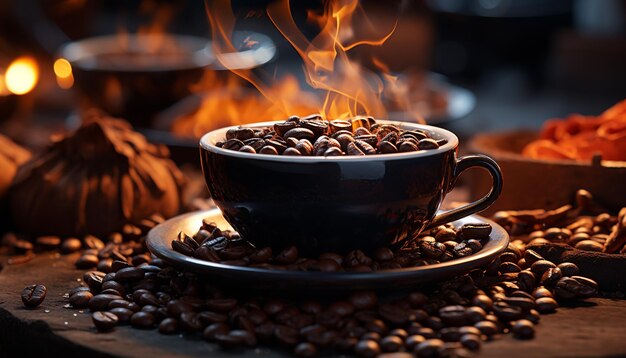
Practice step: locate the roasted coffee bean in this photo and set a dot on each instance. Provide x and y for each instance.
(429, 348)
(428, 143)
(367, 348)
(391, 343)
(453, 315)
(546, 304)
(182, 247)
(475, 314)
(432, 250)
(123, 314)
(143, 320)
(292, 151)
(80, 299)
(568, 269)
(487, 328)
(255, 143)
(101, 301)
(542, 292)
(305, 349)
(34, 295)
(299, 133)
(87, 262)
(269, 149)
(170, 326)
(524, 303)
(541, 266)
(449, 334)
(70, 245)
(523, 329)
(476, 231)
(213, 330)
(318, 127)
(387, 147)
(285, 335)
(104, 321)
(93, 279)
(471, 341)
(509, 267)
(482, 301)
(92, 242)
(506, 311)
(284, 127)
(190, 322)
(412, 341)
(462, 250)
(531, 257)
(551, 277)
(48, 242)
(407, 146)
(575, 287)
(589, 245)
(526, 280)
(129, 274)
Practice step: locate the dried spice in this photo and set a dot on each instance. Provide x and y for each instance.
(581, 137)
(95, 180)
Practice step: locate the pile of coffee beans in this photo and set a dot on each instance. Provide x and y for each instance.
(125, 285)
(444, 243)
(584, 225)
(313, 136)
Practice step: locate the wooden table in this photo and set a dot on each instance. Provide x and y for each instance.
(594, 328)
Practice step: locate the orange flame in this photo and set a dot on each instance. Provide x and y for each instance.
(340, 86)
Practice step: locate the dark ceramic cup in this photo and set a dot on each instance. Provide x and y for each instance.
(341, 203)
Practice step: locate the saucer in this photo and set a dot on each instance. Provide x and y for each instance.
(159, 241)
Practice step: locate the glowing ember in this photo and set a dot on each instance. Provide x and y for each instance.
(581, 137)
(340, 87)
(21, 75)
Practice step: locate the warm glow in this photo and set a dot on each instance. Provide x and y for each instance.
(62, 68)
(22, 75)
(63, 71)
(339, 86)
(3, 88)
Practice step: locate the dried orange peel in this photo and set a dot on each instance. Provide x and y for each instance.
(582, 138)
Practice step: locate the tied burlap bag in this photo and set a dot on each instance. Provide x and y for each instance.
(95, 180)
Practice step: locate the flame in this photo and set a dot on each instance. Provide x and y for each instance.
(350, 89)
(21, 75)
(229, 102)
(339, 87)
(63, 71)
(154, 39)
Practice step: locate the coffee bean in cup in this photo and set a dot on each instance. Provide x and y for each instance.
(314, 136)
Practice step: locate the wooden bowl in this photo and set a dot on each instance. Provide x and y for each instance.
(535, 184)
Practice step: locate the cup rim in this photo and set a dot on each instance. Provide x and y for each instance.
(198, 48)
(208, 141)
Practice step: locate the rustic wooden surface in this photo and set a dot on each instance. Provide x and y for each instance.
(594, 328)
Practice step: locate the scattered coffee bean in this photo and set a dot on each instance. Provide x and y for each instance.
(33, 295)
(523, 329)
(104, 321)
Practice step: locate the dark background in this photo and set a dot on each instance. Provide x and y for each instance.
(526, 61)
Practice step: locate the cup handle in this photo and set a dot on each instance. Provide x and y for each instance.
(479, 205)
